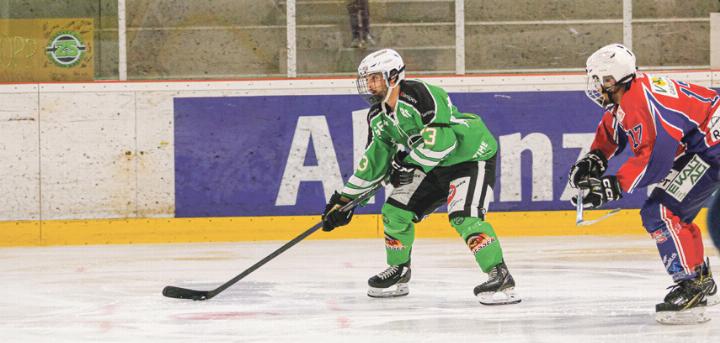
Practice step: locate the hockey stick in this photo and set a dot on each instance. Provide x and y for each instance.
(603, 217)
(184, 293)
(579, 221)
(579, 208)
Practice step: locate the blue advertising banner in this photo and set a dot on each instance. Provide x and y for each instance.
(284, 155)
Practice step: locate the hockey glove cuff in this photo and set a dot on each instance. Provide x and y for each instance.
(593, 164)
(401, 173)
(601, 190)
(332, 216)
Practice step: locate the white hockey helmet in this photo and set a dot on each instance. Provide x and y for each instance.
(386, 62)
(611, 61)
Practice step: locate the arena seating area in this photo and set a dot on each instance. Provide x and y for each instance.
(180, 39)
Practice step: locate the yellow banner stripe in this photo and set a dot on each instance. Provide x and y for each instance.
(231, 229)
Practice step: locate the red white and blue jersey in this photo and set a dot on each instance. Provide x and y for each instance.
(659, 118)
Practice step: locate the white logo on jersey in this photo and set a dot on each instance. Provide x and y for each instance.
(663, 85)
(668, 260)
(377, 131)
(458, 194)
(407, 97)
(678, 184)
(714, 126)
(482, 150)
(459, 121)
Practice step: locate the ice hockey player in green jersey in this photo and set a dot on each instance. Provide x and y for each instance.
(433, 154)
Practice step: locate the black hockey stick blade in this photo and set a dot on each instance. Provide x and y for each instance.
(184, 293)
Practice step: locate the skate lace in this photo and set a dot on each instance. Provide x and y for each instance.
(681, 290)
(674, 288)
(388, 272)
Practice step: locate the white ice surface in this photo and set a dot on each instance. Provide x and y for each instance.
(574, 289)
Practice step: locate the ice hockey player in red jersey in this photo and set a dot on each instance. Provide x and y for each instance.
(673, 130)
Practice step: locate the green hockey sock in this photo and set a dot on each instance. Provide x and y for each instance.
(481, 239)
(399, 234)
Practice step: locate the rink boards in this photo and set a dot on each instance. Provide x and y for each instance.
(139, 162)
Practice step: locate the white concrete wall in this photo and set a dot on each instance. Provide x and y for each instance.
(19, 153)
(715, 41)
(105, 150)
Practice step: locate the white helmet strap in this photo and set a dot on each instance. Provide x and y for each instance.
(394, 76)
(624, 82)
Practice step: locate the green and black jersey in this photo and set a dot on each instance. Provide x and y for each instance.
(427, 125)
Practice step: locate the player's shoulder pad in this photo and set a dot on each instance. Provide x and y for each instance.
(416, 94)
(373, 112)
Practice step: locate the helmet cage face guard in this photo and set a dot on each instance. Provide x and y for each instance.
(601, 95)
(595, 91)
(363, 89)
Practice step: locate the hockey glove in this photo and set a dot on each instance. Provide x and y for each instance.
(401, 173)
(332, 216)
(593, 164)
(601, 190)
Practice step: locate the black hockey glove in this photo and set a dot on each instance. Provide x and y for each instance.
(601, 191)
(401, 173)
(593, 164)
(332, 216)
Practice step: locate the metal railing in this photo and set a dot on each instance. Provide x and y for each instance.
(460, 25)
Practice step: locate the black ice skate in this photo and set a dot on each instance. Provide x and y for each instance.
(709, 286)
(684, 304)
(499, 289)
(390, 283)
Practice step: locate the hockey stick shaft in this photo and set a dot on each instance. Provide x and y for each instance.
(579, 215)
(184, 293)
(603, 217)
(579, 208)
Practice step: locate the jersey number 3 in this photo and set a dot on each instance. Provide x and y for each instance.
(428, 135)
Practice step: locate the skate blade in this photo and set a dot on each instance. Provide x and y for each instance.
(691, 316)
(504, 297)
(713, 299)
(401, 289)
